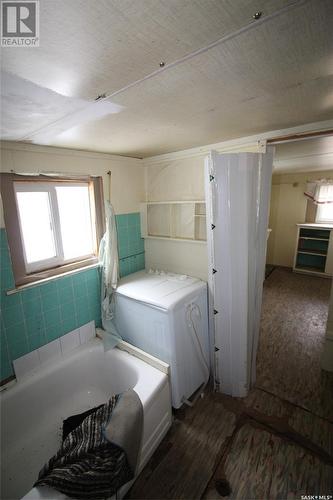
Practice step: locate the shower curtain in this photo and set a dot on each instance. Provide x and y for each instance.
(108, 258)
(237, 200)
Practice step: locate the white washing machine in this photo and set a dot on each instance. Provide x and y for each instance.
(165, 315)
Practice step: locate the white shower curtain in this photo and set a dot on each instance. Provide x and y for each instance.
(108, 258)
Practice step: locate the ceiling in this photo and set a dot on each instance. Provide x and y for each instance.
(304, 156)
(256, 76)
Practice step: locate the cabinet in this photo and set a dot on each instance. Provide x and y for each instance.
(176, 220)
(314, 249)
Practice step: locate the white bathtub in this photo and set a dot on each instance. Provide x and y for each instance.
(32, 411)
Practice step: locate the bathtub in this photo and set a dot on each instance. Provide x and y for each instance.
(32, 411)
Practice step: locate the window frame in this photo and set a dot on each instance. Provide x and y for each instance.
(23, 273)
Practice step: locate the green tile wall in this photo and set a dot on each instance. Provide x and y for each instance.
(40, 314)
(130, 244)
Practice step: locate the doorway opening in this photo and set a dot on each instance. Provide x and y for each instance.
(299, 267)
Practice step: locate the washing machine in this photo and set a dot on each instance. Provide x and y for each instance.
(165, 314)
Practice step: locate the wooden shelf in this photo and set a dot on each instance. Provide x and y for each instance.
(311, 269)
(314, 250)
(174, 220)
(315, 239)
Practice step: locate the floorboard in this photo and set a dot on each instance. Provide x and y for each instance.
(294, 315)
(278, 442)
(191, 448)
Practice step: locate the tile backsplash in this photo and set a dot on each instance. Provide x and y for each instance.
(130, 244)
(54, 350)
(35, 316)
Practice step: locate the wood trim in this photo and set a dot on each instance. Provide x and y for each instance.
(98, 193)
(56, 271)
(50, 178)
(7, 380)
(300, 136)
(11, 218)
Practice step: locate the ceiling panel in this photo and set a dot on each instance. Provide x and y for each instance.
(304, 156)
(90, 47)
(277, 74)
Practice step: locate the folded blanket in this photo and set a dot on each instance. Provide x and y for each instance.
(88, 464)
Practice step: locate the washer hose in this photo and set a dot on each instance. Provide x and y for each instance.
(189, 311)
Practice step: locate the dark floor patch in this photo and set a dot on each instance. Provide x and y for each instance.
(268, 270)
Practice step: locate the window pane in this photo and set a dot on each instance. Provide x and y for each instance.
(36, 224)
(75, 221)
(325, 213)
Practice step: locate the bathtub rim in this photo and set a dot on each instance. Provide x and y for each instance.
(160, 385)
(16, 385)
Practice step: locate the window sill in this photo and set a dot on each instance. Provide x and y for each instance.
(19, 288)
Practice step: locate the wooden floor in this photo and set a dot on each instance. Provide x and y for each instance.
(294, 316)
(266, 446)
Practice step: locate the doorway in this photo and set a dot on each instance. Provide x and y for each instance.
(298, 280)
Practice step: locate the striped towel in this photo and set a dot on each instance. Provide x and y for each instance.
(87, 464)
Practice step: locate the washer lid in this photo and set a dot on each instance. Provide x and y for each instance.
(164, 290)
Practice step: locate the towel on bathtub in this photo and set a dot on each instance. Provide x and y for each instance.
(72, 422)
(101, 454)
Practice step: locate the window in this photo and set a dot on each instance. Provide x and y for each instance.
(53, 225)
(324, 211)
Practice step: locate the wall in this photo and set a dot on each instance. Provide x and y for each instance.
(128, 188)
(288, 207)
(40, 314)
(179, 176)
(176, 180)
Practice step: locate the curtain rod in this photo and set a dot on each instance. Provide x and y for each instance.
(300, 137)
(50, 174)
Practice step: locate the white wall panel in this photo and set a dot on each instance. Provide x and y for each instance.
(178, 257)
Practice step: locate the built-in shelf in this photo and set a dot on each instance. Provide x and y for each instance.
(311, 270)
(314, 249)
(313, 252)
(315, 239)
(174, 220)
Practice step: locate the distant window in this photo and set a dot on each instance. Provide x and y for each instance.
(53, 225)
(324, 211)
